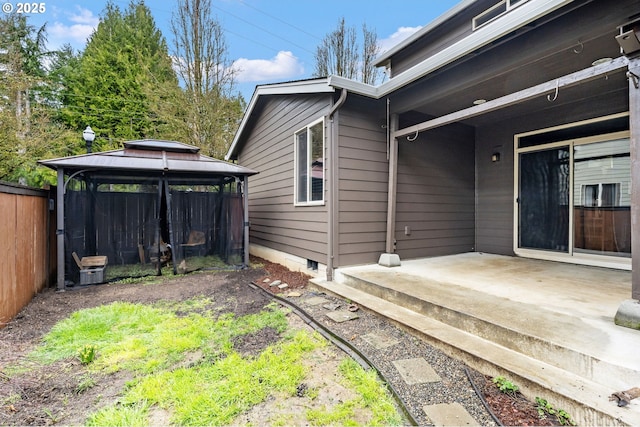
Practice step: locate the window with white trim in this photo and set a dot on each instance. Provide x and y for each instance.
(309, 164)
(495, 11)
(601, 195)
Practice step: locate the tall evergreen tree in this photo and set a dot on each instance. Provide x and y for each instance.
(21, 59)
(124, 79)
(27, 132)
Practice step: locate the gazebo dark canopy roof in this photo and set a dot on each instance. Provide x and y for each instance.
(151, 155)
(151, 204)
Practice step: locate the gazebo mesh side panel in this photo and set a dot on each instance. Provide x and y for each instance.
(117, 218)
(205, 224)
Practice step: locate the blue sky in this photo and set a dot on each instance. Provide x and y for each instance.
(270, 40)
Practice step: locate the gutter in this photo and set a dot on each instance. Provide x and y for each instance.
(504, 25)
(332, 180)
(385, 56)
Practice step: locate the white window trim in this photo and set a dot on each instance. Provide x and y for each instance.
(295, 165)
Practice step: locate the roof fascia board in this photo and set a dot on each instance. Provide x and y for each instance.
(354, 86)
(522, 15)
(386, 55)
(573, 79)
(293, 88)
(290, 88)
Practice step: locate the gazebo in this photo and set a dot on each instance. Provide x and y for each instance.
(147, 207)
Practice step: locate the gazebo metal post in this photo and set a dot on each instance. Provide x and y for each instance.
(157, 226)
(245, 196)
(60, 229)
(174, 247)
(90, 217)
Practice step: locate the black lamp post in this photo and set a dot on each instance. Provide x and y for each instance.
(89, 135)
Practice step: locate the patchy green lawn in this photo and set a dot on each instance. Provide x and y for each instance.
(192, 363)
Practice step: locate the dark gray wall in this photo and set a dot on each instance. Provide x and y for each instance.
(269, 149)
(363, 181)
(436, 193)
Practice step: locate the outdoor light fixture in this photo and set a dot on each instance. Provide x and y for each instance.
(88, 135)
(601, 61)
(495, 157)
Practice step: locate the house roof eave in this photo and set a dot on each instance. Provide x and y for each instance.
(502, 26)
(385, 56)
(354, 86)
(515, 19)
(319, 85)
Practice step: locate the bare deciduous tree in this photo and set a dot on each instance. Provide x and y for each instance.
(340, 54)
(200, 54)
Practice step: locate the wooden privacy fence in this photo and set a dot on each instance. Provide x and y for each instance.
(27, 259)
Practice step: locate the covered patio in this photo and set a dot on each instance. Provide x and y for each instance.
(547, 326)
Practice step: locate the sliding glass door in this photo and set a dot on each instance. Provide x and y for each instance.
(602, 198)
(574, 198)
(544, 199)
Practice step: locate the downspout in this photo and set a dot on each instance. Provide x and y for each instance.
(332, 182)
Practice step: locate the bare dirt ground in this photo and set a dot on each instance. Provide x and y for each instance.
(47, 395)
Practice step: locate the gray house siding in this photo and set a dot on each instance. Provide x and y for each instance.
(269, 148)
(435, 210)
(363, 182)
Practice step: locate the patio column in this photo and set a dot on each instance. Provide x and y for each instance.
(60, 229)
(629, 311)
(634, 129)
(390, 258)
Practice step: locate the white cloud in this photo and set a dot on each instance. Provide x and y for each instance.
(395, 38)
(283, 65)
(75, 31)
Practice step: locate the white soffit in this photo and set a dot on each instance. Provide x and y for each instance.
(506, 24)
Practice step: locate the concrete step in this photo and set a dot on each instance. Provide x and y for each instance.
(458, 321)
(567, 341)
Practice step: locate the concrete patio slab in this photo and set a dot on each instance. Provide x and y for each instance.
(548, 325)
